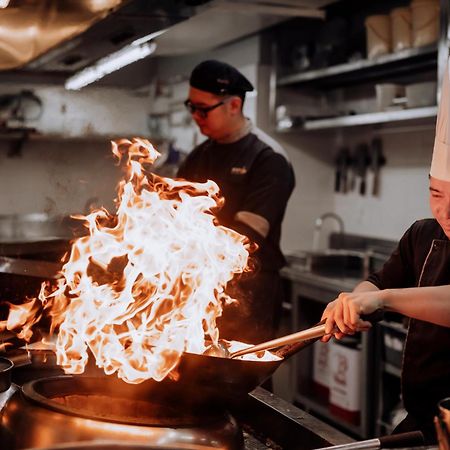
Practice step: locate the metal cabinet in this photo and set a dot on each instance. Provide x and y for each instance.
(309, 296)
(390, 339)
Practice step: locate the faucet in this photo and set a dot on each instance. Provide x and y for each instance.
(318, 227)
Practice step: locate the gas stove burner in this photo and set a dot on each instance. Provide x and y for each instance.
(86, 408)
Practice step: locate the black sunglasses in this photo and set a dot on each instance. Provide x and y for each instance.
(201, 110)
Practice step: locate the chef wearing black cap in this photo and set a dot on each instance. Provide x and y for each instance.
(256, 180)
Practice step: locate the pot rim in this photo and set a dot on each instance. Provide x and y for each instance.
(30, 391)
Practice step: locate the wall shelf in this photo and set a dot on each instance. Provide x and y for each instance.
(365, 119)
(400, 62)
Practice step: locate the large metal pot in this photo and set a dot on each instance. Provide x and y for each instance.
(62, 409)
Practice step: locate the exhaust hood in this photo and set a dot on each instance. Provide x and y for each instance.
(29, 28)
(50, 40)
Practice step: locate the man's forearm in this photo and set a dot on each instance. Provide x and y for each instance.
(365, 286)
(431, 304)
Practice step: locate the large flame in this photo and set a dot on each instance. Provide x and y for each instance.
(147, 283)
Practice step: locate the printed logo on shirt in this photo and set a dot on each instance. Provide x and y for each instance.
(238, 170)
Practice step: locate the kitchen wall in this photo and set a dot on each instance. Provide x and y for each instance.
(57, 177)
(69, 165)
(403, 195)
(61, 176)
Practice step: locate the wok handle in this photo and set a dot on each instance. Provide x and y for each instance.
(315, 332)
(291, 349)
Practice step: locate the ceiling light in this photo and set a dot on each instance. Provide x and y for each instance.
(4, 3)
(111, 63)
(148, 37)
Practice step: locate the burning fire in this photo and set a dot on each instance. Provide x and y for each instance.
(147, 283)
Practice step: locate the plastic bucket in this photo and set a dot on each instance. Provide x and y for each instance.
(401, 28)
(425, 22)
(378, 34)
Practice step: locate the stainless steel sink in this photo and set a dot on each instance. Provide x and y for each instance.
(336, 263)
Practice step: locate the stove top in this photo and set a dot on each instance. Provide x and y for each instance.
(260, 422)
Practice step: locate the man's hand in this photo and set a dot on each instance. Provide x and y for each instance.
(343, 315)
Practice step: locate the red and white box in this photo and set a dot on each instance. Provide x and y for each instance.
(321, 370)
(345, 382)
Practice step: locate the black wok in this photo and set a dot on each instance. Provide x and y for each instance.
(224, 380)
(208, 381)
(198, 381)
(202, 380)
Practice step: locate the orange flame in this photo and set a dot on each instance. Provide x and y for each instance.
(147, 283)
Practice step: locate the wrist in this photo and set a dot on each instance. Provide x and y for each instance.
(385, 296)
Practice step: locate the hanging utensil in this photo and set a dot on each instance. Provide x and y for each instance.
(377, 160)
(342, 163)
(362, 162)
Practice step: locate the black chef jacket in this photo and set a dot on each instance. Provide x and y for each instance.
(422, 258)
(252, 177)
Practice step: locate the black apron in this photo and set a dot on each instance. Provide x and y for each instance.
(426, 359)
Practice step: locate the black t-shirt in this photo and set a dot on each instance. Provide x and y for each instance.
(252, 177)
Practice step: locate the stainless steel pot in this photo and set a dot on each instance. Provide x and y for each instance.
(69, 409)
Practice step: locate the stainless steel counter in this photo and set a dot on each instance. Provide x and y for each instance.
(317, 287)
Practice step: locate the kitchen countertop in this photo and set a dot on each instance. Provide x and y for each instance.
(317, 287)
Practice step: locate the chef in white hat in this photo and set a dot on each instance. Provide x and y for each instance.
(415, 282)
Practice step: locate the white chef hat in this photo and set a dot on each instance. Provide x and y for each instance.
(440, 163)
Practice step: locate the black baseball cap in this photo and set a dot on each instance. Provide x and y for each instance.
(219, 78)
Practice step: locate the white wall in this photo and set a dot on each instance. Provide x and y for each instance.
(403, 191)
(57, 177)
(92, 111)
(403, 195)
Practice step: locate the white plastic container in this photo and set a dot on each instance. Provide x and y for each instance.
(425, 22)
(386, 93)
(419, 95)
(378, 35)
(345, 382)
(401, 28)
(321, 369)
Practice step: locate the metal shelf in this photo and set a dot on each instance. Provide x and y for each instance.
(365, 119)
(392, 370)
(401, 62)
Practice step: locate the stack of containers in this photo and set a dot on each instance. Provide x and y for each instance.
(425, 22)
(404, 27)
(401, 28)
